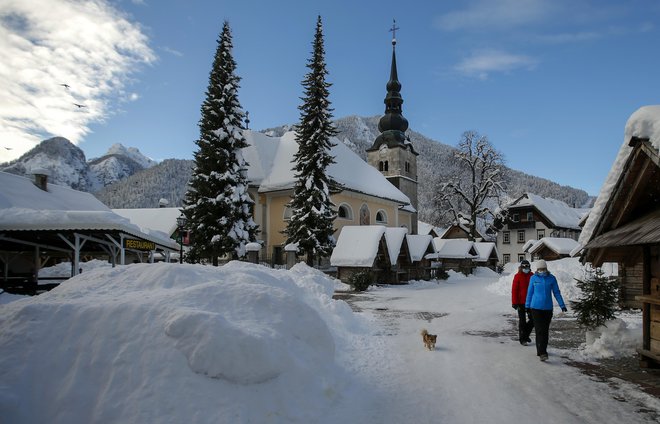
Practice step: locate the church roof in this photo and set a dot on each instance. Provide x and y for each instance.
(270, 167)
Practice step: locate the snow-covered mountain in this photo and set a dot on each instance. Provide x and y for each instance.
(124, 178)
(68, 166)
(65, 162)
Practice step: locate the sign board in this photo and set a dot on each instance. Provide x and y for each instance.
(436, 264)
(137, 244)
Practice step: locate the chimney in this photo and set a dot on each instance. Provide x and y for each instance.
(41, 178)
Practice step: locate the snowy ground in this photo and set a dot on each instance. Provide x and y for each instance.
(246, 344)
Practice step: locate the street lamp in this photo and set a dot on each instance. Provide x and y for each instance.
(181, 225)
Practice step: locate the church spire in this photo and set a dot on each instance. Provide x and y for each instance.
(393, 125)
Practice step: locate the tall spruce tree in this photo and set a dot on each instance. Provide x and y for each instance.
(217, 205)
(313, 213)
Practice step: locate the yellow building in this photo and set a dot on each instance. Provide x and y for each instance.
(367, 198)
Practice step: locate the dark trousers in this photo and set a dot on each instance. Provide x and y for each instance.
(525, 323)
(542, 320)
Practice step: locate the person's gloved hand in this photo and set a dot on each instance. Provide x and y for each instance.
(564, 309)
(515, 307)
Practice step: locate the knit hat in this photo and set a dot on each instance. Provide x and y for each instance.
(524, 263)
(541, 264)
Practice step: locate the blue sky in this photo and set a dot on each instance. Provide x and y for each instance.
(551, 82)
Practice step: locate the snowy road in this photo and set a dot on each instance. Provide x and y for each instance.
(473, 375)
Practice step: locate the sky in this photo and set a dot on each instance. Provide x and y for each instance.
(550, 82)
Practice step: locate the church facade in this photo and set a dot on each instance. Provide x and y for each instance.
(382, 191)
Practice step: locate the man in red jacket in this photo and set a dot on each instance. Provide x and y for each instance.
(518, 297)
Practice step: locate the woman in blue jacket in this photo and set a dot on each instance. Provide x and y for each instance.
(539, 301)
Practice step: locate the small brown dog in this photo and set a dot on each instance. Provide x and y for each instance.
(429, 339)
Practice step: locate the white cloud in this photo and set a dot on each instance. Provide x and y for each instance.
(172, 51)
(89, 45)
(133, 97)
(490, 14)
(482, 63)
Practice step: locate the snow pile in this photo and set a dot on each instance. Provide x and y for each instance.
(171, 342)
(63, 269)
(616, 340)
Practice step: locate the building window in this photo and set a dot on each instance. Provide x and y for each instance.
(386, 166)
(515, 217)
(506, 258)
(381, 166)
(345, 211)
(506, 237)
(287, 213)
(540, 234)
(521, 257)
(530, 216)
(407, 166)
(521, 236)
(381, 217)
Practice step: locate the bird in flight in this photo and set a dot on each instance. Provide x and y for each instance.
(67, 86)
(79, 105)
(7, 148)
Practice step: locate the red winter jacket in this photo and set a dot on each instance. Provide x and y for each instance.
(519, 289)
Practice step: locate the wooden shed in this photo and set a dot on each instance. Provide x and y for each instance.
(624, 225)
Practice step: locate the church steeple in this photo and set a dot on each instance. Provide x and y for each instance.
(393, 125)
(392, 152)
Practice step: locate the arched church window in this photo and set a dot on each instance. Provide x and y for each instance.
(345, 211)
(381, 166)
(386, 166)
(381, 217)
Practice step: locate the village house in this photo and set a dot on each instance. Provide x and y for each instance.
(624, 225)
(532, 217)
(550, 248)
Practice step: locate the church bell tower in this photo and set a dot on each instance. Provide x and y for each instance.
(392, 152)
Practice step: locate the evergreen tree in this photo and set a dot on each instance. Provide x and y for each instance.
(217, 205)
(313, 212)
(598, 301)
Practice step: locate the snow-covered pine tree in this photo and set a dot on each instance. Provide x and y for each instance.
(313, 213)
(598, 301)
(217, 205)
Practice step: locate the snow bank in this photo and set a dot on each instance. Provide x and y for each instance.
(63, 269)
(616, 340)
(175, 343)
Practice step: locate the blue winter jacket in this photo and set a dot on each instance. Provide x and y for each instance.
(538, 292)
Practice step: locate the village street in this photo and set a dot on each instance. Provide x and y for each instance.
(478, 372)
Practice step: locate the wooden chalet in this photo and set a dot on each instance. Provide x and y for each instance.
(624, 226)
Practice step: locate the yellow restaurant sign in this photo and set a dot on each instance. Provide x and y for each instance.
(139, 244)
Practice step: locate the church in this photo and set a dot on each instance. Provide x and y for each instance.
(380, 192)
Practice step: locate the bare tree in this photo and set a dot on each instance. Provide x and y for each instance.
(475, 182)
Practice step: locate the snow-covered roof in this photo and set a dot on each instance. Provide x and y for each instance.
(561, 246)
(426, 228)
(273, 172)
(454, 249)
(357, 245)
(485, 249)
(528, 245)
(643, 123)
(417, 245)
(394, 237)
(159, 219)
(559, 213)
(25, 207)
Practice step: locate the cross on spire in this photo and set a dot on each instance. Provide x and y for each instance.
(393, 31)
